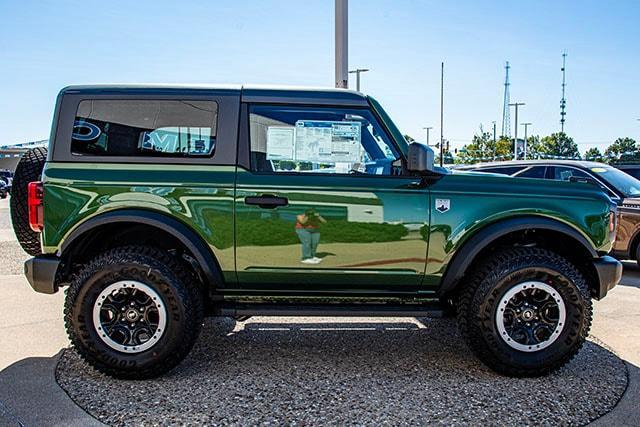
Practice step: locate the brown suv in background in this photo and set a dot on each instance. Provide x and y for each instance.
(620, 186)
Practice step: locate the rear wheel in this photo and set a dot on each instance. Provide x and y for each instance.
(133, 312)
(525, 312)
(29, 169)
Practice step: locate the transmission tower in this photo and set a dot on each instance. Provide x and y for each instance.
(506, 118)
(563, 101)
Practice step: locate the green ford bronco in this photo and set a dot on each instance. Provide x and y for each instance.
(156, 206)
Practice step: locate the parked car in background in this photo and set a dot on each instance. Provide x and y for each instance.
(631, 169)
(4, 191)
(622, 187)
(7, 177)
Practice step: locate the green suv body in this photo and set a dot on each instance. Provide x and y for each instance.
(161, 205)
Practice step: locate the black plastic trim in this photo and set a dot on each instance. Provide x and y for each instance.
(188, 237)
(609, 274)
(309, 310)
(41, 273)
(470, 249)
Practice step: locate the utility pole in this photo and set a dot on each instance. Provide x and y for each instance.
(357, 72)
(342, 43)
(428, 128)
(526, 125)
(515, 141)
(441, 112)
(563, 101)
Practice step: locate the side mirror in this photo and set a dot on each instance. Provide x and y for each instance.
(420, 158)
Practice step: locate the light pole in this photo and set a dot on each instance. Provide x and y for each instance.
(357, 72)
(526, 126)
(427, 128)
(494, 140)
(515, 141)
(342, 43)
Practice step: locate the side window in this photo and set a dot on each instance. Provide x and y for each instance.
(563, 173)
(633, 172)
(145, 128)
(533, 172)
(505, 170)
(319, 140)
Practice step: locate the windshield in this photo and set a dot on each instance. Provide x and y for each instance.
(626, 184)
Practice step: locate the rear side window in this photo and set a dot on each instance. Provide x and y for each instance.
(145, 128)
(533, 172)
(633, 172)
(505, 170)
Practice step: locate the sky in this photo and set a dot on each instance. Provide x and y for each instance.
(46, 45)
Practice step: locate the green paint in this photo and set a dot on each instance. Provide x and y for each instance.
(377, 234)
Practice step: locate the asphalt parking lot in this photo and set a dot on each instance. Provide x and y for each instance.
(318, 370)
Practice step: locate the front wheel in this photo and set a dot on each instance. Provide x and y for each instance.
(525, 311)
(133, 312)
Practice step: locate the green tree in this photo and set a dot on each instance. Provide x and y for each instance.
(559, 144)
(534, 147)
(409, 139)
(483, 149)
(593, 154)
(623, 150)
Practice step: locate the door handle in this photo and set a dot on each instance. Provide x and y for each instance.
(266, 201)
(415, 184)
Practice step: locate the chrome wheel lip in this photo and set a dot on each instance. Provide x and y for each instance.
(154, 297)
(504, 301)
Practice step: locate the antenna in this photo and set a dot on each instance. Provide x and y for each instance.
(563, 101)
(506, 117)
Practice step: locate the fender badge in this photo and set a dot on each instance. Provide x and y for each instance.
(443, 205)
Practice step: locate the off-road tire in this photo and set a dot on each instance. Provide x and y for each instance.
(168, 277)
(29, 169)
(492, 279)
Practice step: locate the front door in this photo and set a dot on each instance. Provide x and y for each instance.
(325, 205)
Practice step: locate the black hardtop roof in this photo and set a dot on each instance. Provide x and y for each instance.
(249, 93)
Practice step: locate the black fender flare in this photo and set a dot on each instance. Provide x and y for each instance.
(187, 236)
(483, 237)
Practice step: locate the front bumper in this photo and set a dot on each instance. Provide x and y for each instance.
(41, 273)
(609, 274)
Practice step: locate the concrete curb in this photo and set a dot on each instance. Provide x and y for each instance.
(30, 396)
(627, 410)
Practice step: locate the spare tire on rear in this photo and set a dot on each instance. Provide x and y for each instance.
(29, 169)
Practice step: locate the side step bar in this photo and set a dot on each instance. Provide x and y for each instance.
(329, 310)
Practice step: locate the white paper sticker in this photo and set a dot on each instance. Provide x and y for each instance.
(280, 143)
(327, 142)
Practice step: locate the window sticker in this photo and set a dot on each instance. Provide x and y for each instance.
(280, 143)
(321, 141)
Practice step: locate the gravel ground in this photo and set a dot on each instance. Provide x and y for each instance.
(311, 371)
